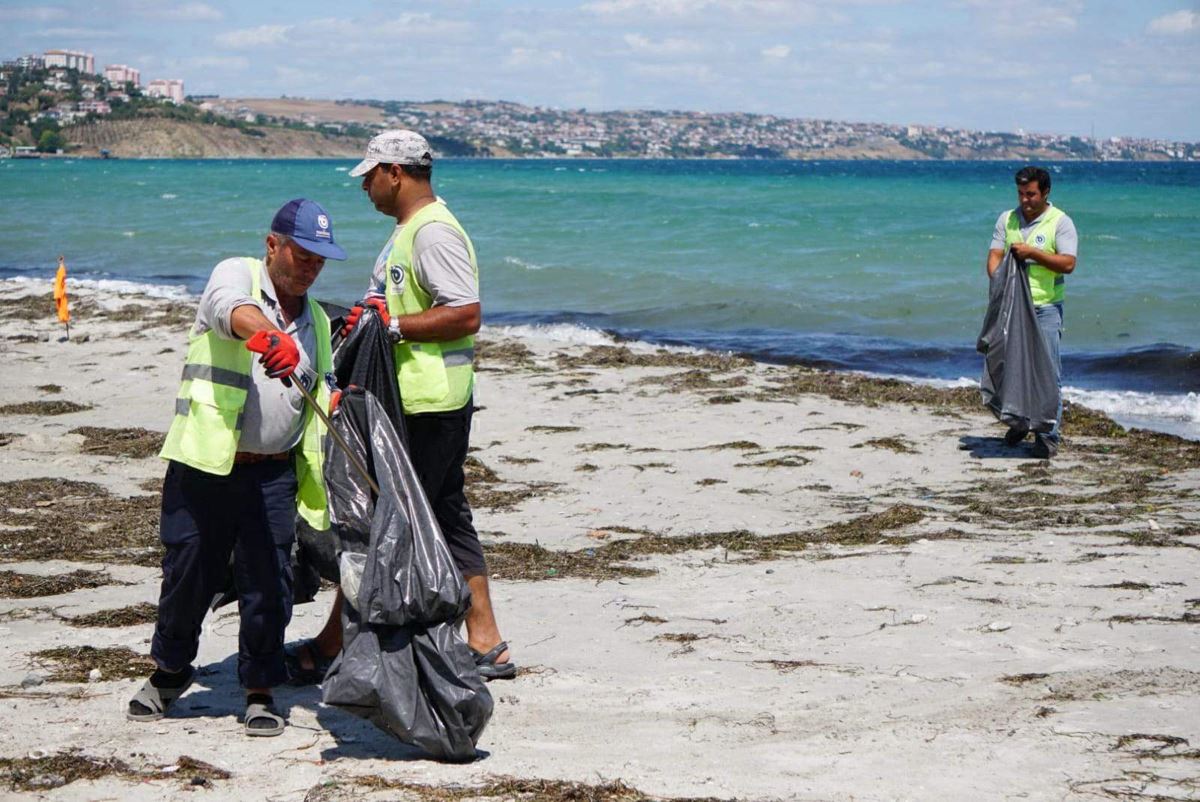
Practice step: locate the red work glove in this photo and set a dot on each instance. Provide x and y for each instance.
(357, 310)
(335, 397)
(280, 356)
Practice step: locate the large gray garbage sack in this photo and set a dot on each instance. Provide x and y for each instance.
(1018, 383)
(403, 664)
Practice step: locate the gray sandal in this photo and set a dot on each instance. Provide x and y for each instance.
(157, 700)
(260, 719)
(487, 666)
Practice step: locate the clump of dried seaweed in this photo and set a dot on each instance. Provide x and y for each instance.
(134, 614)
(135, 442)
(14, 585)
(75, 663)
(45, 408)
(67, 519)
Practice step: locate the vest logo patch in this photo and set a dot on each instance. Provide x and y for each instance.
(1040, 239)
(397, 276)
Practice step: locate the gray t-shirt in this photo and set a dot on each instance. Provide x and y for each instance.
(441, 263)
(1066, 240)
(273, 419)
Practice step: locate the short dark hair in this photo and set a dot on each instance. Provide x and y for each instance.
(421, 172)
(1031, 173)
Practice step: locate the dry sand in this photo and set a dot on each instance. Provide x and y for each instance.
(722, 580)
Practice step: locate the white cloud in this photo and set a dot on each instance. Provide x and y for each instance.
(77, 33)
(687, 73)
(670, 46)
(1083, 79)
(192, 12)
(777, 52)
(1175, 24)
(246, 38)
(532, 57)
(228, 63)
(1031, 18)
(700, 11)
(27, 14)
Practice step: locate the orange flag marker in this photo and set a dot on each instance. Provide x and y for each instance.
(60, 295)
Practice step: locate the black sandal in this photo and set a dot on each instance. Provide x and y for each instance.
(299, 675)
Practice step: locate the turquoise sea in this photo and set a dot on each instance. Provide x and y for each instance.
(873, 266)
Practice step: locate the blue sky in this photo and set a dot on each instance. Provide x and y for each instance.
(1066, 66)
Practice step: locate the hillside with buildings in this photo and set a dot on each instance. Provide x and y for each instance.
(57, 103)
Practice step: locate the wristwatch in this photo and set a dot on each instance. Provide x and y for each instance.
(394, 330)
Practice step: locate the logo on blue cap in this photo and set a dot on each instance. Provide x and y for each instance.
(307, 223)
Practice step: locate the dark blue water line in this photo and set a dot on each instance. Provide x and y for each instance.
(1157, 368)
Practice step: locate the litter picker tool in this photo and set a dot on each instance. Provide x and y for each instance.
(320, 413)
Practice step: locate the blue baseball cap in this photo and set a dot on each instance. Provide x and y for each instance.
(308, 223)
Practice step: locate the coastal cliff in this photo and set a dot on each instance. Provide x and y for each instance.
(160, 138)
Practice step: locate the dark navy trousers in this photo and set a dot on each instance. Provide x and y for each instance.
(251, 513)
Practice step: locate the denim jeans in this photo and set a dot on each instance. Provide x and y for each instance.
(1050, 322)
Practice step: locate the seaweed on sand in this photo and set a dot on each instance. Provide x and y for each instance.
(483, 493)
(43, 773)
(528, 561)
(505, 788)
(695, 379)
(622, 356)
(30, 586)
(502, 352)
(65, 519)
(134, 614)
(897, 444)
(74, 663)
(135, 442)
(788, 461)
(43, 408)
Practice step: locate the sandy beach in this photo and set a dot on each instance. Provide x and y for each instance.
(721, 579)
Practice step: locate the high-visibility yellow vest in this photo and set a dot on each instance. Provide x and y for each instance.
(208, 409)
(1046, 286)
(433, 377)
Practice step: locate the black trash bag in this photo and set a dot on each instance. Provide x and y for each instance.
(364, 359)
(1018, 383)
(403, 666)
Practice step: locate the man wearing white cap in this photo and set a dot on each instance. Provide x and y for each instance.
(425, 288)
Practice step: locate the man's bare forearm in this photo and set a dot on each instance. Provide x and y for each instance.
(441, 323)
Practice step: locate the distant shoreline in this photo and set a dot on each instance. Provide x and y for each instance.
(865, 158)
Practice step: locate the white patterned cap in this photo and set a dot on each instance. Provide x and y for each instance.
(398, 146)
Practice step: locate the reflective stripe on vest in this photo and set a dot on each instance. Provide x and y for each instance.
(211, 401)
(433, 377)
(1046, 286)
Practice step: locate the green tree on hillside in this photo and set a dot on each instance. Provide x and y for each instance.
(51, 141)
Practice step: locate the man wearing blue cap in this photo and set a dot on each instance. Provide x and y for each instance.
(245, 459)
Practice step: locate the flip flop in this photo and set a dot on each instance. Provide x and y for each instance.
(488, 667)
(298, 675)
(260, 719)
(157, 700)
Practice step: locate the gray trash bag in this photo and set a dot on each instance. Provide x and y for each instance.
(1018, 383)
(403, 666)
